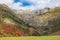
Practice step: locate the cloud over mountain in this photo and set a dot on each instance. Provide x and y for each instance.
(30, 4)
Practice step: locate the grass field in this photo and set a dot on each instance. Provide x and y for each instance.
(32, 38)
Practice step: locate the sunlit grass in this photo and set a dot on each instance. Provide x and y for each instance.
(32, 38)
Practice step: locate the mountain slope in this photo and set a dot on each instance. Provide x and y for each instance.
(44, 23)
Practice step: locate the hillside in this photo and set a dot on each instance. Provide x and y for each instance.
(42, 22)
(9, 19)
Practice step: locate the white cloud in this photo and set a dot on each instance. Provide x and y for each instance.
(6, 1)
(45, 3)
(37, 4)
(16, 6)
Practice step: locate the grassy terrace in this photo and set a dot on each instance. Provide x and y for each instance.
(32, 38)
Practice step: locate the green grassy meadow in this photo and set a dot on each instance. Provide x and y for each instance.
(31, 38)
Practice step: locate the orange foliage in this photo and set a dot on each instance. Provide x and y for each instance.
(7, 28)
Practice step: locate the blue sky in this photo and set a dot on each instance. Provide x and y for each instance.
(30, 4)
(24, 3)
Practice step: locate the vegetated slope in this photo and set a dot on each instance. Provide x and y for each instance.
(44, 24)
(47, 22)
(6, 12)
(8, 30)
(56, 33)
(50, 20)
